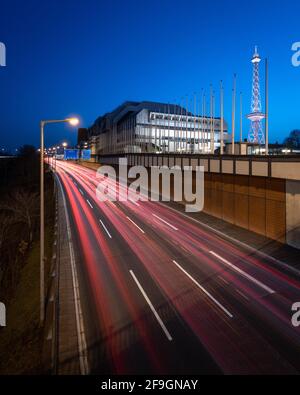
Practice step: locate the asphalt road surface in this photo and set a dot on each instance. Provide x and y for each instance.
(162, 295)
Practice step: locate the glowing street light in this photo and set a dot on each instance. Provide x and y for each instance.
(64, 144)
(73, 122)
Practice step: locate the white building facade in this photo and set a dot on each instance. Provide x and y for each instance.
(148, 127)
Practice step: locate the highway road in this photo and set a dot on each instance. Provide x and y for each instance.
(163, 295)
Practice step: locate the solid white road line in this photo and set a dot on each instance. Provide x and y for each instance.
(80, 190)
(240, 271)
(135, 225)
(105, 228)
(165, 222)
(89, 203)
(204, 290)
(159, 320)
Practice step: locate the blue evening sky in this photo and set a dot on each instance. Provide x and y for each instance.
(86, 57)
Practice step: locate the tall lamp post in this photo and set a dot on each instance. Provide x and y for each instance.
(54, 149)
(55, 156)
(65, 145)
(73, 122)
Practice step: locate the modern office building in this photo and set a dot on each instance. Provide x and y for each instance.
(148, 127)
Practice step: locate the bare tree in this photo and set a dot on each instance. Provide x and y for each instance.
(5, 221)
(293, 140)
(24, 208)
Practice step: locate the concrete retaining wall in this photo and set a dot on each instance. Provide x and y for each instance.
(261, 194)
(293, 213)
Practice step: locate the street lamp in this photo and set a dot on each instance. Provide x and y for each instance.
(53, 157)
(64, 144)
(55, 150)
(72, 122)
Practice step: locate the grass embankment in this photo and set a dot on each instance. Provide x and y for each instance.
(22, 340)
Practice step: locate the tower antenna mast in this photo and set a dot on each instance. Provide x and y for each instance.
(256, 133)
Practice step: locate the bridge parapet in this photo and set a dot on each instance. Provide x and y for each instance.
(283, 167)
(258, 193)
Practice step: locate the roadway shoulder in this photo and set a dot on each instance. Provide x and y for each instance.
(67, 339)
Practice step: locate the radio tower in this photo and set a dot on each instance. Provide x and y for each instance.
(256, 134)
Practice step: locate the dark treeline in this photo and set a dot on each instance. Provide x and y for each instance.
(19, 214)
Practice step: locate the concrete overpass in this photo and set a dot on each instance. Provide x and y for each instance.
(258, 193)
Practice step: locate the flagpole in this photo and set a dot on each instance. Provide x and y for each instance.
(222, 117)
(205, 132)
(187, 119)
(241, 117)
(211, 122)
(181, 125)
(195, 111)
(233, 115)
(267, 108)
